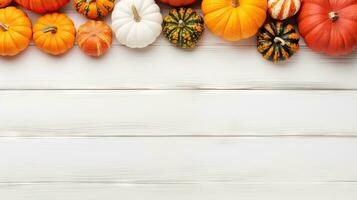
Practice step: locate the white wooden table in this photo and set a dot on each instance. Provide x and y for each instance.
(218, 122)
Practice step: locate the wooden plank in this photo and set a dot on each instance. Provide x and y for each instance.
(178, 113)
(138, 160)
(227, 191)
(216, 64)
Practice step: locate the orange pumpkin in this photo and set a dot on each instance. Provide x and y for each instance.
(94, 9)
(42, 6)
(15, 31)
(329, 26)
(4, 3)
(94, 38)
(234, 19)
(54, 33)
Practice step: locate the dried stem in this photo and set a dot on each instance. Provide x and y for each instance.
(52, 29)
(235, 3)
(137, 17)
(279, 40)
(333, 16)
(4, 27)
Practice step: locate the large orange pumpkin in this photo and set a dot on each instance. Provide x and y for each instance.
(234, 19)
(4, 3)
(15, 31)
(329, 26)
(54, 33)
(42, 6)
(94, 38)
(178, 2)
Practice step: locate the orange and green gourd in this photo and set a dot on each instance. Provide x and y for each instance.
(94, 9)
(183, 27)
(278, 41)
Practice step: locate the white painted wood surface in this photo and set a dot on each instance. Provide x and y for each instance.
(217, 122)
(138, 160)
(228, 191)
(178, 113)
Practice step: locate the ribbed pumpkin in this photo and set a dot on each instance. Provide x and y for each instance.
(329, 26)
(15, 31)
(283, 9)
(234, 19)
(54, 33)
(4, 3)
(94, 38)
(183, 27)
(178, 2)
(94, 9)
(42, 6)
(278, 41)
(137, 24)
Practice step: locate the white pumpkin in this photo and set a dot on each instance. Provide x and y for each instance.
(136, 23)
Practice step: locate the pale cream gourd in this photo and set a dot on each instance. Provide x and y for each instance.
(136, 23)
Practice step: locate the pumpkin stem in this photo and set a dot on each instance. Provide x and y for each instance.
(4, 27)
(279, 40)
(235, 3)
(52, 29)
(333, 16)
(88, 1)
(137, 17)
(181, 23)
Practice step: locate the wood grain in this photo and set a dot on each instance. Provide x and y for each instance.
(178, 160)
(227, 191)
(178, 113)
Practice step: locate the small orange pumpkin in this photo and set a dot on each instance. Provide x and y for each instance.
(15, 31)
(94, 38)
(4, 3)
(54, 33)
(234, 19)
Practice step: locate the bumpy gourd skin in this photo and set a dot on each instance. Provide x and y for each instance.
(15, 31)
(183, 27)
(94, 9)
(234, 19)
(278, 41)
